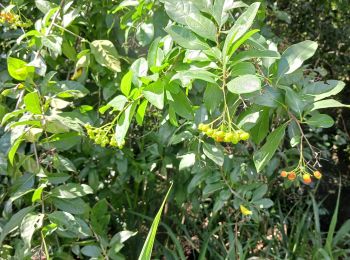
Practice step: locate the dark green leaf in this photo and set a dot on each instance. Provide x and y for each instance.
(320, 120)
(266, 152)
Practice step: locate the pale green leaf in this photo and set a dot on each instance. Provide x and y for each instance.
(186, 38)
(294, 56)
(106, 54)
(202, 26)
(244, 84)
(32, 102)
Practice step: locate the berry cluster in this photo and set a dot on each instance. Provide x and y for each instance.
(303, 174)
(224, 135)
(102, 136)
(12, 20)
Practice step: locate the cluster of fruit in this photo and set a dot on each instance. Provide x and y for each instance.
(220, 135)
(304, 175)
(12, 20)
(101, 136)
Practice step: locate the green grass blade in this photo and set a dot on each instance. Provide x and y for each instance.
(148, 245)
(330, 235)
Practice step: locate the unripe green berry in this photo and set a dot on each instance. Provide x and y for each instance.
(244, 136)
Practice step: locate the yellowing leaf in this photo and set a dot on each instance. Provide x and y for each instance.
(245, 211)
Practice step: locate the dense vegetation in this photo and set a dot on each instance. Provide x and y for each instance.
(225, 117)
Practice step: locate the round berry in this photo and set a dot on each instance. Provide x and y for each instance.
(292, 176)
(228, 137)
(307, 178)
(200, 127)
(317, 175)
(244, 136)
(209, 132)
(284, 174)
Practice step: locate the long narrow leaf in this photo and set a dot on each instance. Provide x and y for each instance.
(148, 245)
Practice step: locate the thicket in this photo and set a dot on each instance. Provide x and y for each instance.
(230, 106)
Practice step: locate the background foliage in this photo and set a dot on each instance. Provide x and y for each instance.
(100, 107)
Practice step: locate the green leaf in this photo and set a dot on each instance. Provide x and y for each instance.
(240, 41)
(220, 11)
(44, 6)
(53, 43)
(154, 93)
(244, 84)
(14, 222)
(148, 245)
(270, 97)
(73, 206)
(18, 69)
(264, 203)
(106, 54)
(202, 26)
(92, 251)
(179, 10)
(123, 123)
(266, 152)
(117, 103)
(71, 191)
(320, 120)
(68, 225)
(327, 103)
(260, 192)
(294, 56)
(32, 102)
(185, 38)
(125, 85)
(145, 33)
(140, 113)
(295, 101)
(240, 27)
(155, 55)
(212, 97)
(214, 153)
(212, 187)
(13, 149)
(37, 194)
(180, 103)
(66, 89)
(247, 55)
(320, 90)
(100, 217)
(187, 160)
(260, 130)
(249, 120)
(30, 223)
(189, 75)
(242, 68)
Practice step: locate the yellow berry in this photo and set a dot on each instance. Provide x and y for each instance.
(307, 178)
(209, 132)
(317, 175)
(244, 136)
(200, 127)
(228, 137)
(235, 138)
